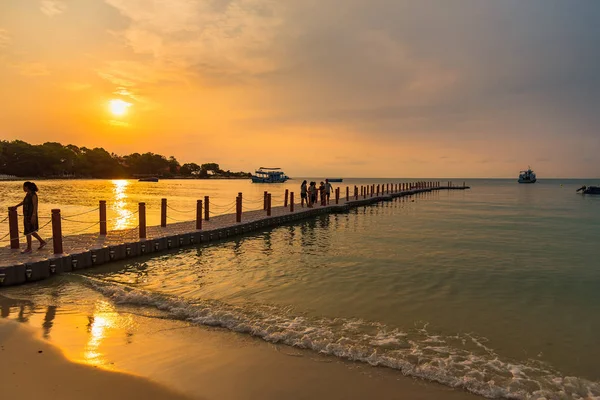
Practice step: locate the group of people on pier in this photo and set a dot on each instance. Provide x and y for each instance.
(310, 193)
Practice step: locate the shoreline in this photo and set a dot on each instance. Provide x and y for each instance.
(40, 370)
(148, 354)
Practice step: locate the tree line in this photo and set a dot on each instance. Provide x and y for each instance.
(54, 160)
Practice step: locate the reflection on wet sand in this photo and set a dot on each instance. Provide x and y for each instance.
(24, 309)
(100, 323)
(8, 305)
(49, 321)
(104, 318)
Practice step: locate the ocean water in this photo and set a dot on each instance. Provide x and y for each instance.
(494, 290)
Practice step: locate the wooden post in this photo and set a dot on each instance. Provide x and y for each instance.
(163, 212)
(238, 208)
(102, 208)
(206, 208)
(265, 200)
(285, 200)
(355, 192)
(292, 202)
(13, 227)
(198, 214)
(57, 232)
(142, 216)
(377, 190)
(337, 195)
(269, 204)
(347, 193)
(366, 190)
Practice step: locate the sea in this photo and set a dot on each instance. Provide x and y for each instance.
(494, 290)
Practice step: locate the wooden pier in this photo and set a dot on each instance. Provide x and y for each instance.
(76, 252)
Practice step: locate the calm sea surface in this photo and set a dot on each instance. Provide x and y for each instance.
(495, 289)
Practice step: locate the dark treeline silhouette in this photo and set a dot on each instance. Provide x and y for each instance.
(53, 160)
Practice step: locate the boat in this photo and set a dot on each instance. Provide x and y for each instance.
(152, 179)
(269, 175)
(589, 189)
(335, 179)
(527, 176)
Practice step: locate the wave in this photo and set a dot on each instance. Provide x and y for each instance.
(460, 361)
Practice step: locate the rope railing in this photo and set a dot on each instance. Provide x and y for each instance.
(221, 212)
(258, 201)
(84, 229)
(74, 220)
(42, 217)
(24, 236)
(178, 220)
(182, 211)
(82, 213)
(213, 205)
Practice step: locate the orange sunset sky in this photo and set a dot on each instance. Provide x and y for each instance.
(353, 88)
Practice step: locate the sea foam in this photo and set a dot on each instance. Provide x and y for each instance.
(460, 361)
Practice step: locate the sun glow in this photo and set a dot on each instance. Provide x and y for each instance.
(118, 107)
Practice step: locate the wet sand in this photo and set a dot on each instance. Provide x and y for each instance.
(131, 355)
(33, 369)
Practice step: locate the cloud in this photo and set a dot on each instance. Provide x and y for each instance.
(33, 69)
(219, 38)
(4, 38)
(52, 7)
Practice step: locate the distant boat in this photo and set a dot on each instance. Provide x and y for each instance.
(527, 176)
(589, 189)
(335, 179)
(269, 175)
(153, 179)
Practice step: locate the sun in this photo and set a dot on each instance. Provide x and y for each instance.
(118, 107)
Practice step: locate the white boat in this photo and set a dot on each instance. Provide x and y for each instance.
(269, 175)
(527, 176)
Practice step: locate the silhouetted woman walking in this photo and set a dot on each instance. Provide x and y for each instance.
(30, 215)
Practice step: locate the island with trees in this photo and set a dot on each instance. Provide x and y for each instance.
(54, 160)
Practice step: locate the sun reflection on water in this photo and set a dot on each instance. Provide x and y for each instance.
(104, 318)
(123, 216)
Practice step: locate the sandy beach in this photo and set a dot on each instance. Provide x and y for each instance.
(32, 368)
(136, 356)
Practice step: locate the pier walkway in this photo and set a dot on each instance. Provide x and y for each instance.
(86, 250)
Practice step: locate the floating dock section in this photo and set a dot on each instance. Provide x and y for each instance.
(79, 251)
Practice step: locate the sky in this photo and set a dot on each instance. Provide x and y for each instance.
(349, 88)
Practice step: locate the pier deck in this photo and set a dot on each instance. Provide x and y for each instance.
(92, 249)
